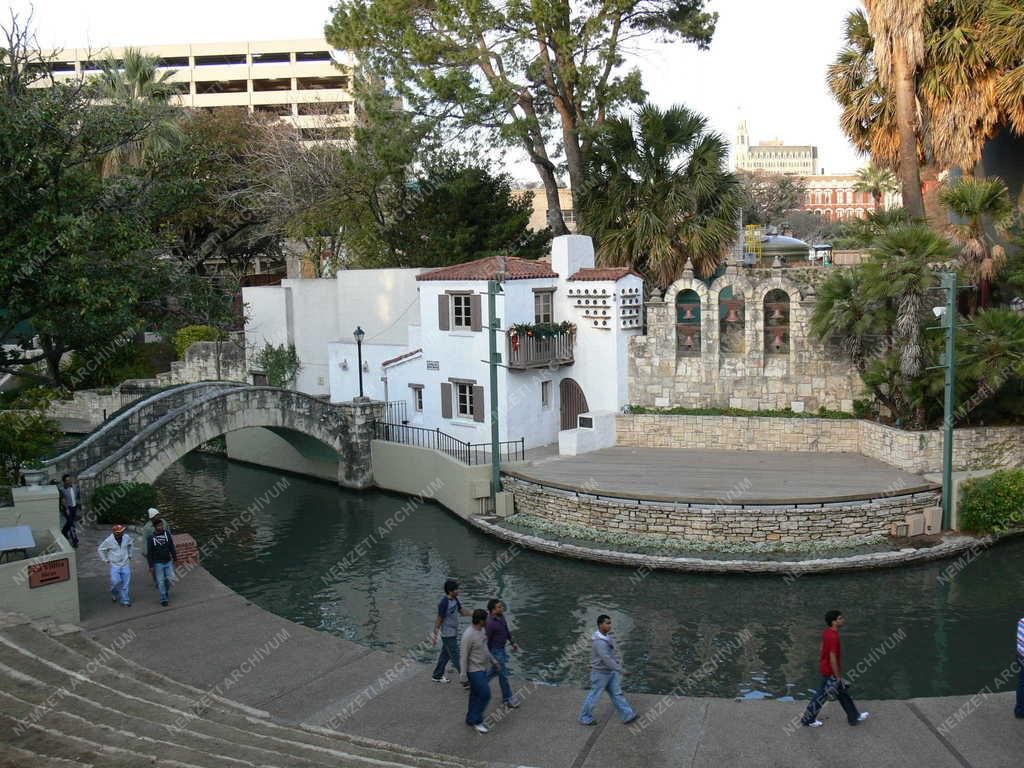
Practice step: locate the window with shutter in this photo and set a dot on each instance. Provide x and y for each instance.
(477, 403)
(442, 311)
(446, 400)
(476, 321)
(462, 311)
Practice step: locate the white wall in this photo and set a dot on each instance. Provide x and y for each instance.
(344, 382)
(383, 302)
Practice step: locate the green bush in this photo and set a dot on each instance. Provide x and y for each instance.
(87, 370)
(821, 413)
(123, 502)
(190, 334)
(994, 503)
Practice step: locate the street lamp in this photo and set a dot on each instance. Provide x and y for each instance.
(359, 333)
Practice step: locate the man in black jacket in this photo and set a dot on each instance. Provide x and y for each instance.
(162, 556)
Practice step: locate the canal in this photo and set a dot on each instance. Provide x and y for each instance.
(331, 560)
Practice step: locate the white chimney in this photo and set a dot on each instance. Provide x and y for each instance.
(571, 253)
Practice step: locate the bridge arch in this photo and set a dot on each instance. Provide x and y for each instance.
(342, 428)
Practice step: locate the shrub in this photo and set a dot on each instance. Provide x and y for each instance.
(123, 502)
(190, 334)
(994, 503)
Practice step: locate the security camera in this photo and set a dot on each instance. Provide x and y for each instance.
(938, 311)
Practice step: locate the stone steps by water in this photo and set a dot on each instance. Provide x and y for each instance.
(65, 698)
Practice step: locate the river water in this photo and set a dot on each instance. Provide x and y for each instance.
(368, 566)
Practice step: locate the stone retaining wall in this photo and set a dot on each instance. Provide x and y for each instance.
(917, 452)
(719, 523)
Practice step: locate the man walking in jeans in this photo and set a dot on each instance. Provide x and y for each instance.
(476, 663)
(605, 675)
(70, 496)
(832, 684)
(116, 551)
(498, 636)
(448, 612)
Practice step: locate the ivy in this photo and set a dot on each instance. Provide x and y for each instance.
(542, 330)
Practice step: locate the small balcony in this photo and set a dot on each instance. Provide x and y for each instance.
(540, 346)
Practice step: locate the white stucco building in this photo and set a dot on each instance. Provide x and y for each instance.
(426, 339)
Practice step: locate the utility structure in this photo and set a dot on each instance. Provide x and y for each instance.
(494, 361)
(948, 321)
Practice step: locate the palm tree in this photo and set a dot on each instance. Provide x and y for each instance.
(975, 201)
(897, 27)
(138, 82)
(658, 194)
(899, 274)
(844, 315)
(876, 181)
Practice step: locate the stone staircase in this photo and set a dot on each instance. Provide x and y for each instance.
(67, 700)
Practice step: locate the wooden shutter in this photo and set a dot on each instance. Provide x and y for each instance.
(475, 319)
(443, 306)
(446, 400)
(478, 403)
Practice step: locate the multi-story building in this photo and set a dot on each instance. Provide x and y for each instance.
(835, 198)
(539, 217)
(305, 82)
(773, 156)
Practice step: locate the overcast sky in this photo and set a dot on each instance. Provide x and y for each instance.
(766, 64)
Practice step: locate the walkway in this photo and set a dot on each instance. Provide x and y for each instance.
(742, 477)
(211, 637)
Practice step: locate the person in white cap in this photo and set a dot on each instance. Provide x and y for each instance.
(148, 530)
(116, 551)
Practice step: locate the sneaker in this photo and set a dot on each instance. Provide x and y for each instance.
(113, 597)
(592, 722)
(630, 720)
(481, 728)
(863, 716)
(127, 605)
(441, 679)
(815, 724)
(163, 603)
(511, 704)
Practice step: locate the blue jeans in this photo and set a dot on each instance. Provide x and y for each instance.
(502, 658)
(479, 697)
(830, 686)
(120, 579)
(1018, 710)
(605, 681)
(164, 573)
(449, 652)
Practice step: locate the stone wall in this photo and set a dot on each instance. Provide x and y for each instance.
(917, 452)
(748, 372)
(719, 523)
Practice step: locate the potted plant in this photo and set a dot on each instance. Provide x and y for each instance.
(33, 472)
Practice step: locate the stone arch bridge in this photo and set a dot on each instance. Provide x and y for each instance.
(138, 444)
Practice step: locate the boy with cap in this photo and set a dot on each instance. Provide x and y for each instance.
(116, 550)
(147, 530)
(161, 556)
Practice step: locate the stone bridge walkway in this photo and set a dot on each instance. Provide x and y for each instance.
(212, 638)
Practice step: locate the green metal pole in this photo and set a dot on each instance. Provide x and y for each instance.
(493, 289)
(949, 282)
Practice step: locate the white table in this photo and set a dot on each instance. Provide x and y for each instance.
(17, 538)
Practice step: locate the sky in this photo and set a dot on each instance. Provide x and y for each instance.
(766, 64)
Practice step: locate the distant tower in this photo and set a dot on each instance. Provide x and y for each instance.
(742, 148)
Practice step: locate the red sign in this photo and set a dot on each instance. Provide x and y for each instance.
(48, 573)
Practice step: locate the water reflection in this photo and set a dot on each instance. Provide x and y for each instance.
(321, 556)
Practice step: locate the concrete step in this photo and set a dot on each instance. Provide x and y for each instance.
(66, 686)
(16, 757)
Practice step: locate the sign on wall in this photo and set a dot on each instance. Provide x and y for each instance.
(433, 365)
(52, 572)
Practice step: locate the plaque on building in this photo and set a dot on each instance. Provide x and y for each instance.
(433, 365)
(52, 572)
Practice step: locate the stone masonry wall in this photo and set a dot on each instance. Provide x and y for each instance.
(917, 452)
(718, 523)
(749, 376)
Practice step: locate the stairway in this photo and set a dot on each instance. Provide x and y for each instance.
(68, 700)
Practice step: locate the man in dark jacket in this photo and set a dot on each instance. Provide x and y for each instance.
(70, 506)
(161, 555)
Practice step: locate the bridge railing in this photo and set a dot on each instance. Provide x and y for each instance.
(461, 450)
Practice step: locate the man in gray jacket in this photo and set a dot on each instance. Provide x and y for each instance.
(476, 663)
(605, 675)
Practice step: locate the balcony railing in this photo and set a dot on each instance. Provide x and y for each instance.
(467, 453)
(538, 351)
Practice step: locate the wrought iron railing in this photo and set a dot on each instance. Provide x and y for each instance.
(537, 351)
(395, 412)
(467, 453)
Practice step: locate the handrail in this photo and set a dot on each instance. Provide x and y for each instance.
(461, 450)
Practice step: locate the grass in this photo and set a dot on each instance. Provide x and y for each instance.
(785, 413)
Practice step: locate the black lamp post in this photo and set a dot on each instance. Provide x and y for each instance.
(359, 333)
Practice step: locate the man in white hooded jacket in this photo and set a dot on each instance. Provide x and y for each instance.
(116, 550)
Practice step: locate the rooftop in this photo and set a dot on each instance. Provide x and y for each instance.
(488, 268)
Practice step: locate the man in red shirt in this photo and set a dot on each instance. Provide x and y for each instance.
(832, 683)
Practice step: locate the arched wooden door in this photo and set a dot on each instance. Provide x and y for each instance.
(573, 402)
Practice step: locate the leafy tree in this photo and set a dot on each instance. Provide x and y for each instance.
(461, 214)
(25, 432)
(659, 194)
(768, 197)
(975, 202)
(530, 75)
(877, 181)
(281, 364)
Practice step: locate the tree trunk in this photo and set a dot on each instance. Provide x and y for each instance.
(906, 121)
(573, 161)
(933, 208)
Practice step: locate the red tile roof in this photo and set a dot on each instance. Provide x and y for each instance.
(402, 356)
(488, 267)
(604, 273)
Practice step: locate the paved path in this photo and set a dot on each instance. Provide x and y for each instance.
(726, 476)
(212, 638)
